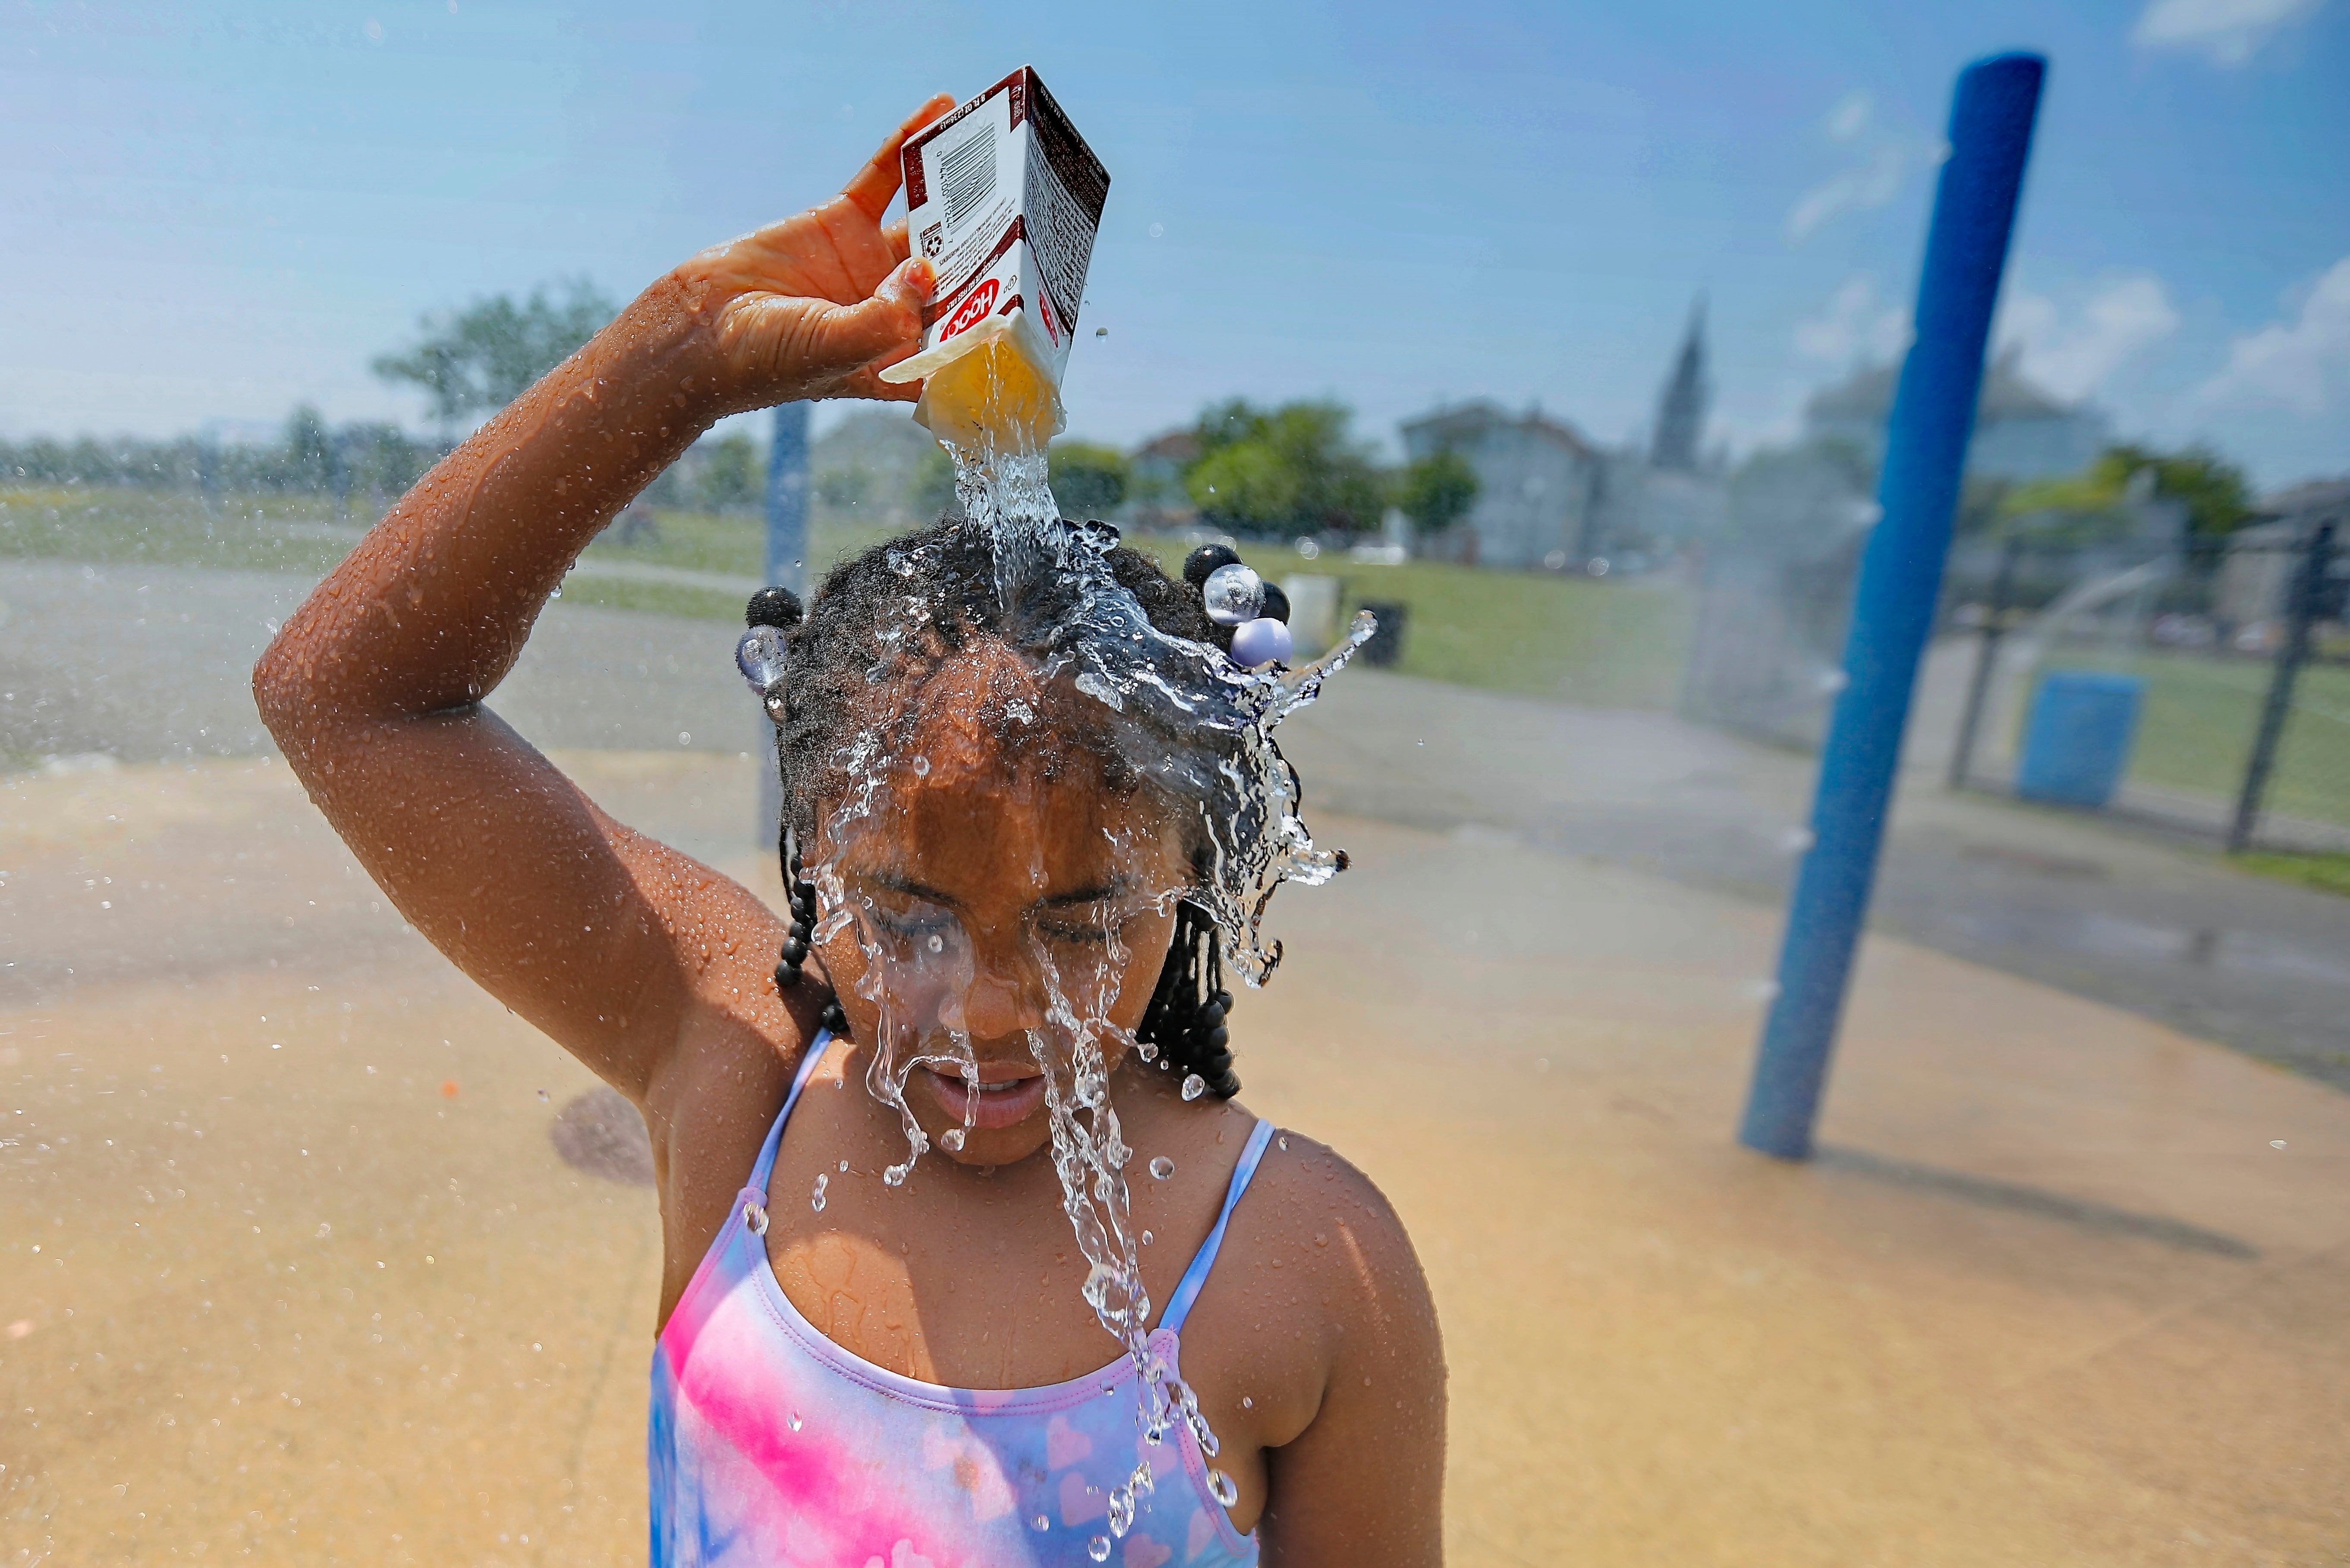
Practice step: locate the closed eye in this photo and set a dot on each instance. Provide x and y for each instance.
(1068, 931)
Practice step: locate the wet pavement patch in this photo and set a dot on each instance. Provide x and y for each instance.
(601, 1133)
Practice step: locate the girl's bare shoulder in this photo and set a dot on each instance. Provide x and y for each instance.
(1308, 1202)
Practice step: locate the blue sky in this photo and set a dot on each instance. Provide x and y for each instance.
(212, 212)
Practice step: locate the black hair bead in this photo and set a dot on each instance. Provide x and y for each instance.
(1206, 559)
(1276, 603)
(779, 608)
(787, 975)
(833, 1018)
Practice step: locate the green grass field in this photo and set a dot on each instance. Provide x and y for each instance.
(1593, 644)
(1607, 645)
(2199, 717)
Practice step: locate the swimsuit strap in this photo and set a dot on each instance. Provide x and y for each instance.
(1187, 1289)
(755, 1191)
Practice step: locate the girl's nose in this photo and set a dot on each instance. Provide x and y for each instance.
(1006, 997)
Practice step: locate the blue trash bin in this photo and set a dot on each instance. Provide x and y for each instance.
(2077, 744)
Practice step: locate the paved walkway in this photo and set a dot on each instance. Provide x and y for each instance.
(292, 1269)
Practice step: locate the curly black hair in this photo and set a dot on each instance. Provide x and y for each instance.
(885, 621)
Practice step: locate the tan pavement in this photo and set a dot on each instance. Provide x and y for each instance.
(314, 1284)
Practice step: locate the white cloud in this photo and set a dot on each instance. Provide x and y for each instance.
(2290, 364)
(2073, 356)
(1879, 162)
(1849, 118)
(1873, 181)
(2227, 31)
(1854, 324)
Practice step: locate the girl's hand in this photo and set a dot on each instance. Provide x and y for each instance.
(814, 306)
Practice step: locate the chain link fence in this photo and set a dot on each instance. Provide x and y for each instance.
(2237, 654)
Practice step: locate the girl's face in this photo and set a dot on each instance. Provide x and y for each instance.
(998, 901)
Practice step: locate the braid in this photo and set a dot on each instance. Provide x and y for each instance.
(1185, 1020)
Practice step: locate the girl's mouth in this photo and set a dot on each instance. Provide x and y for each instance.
(987, 1105)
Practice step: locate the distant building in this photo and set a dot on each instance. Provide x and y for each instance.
(2263, 558)
(1536, 477)
(1681, 408)
(1156, 493)
(2022, 431)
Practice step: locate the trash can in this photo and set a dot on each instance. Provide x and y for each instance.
(2077, 744)
(1386, 647)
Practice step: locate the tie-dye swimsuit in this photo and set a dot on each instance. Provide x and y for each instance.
(771, 1445)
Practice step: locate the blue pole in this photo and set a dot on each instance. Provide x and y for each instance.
(787, 509)
(1893, 605)
(787, 499)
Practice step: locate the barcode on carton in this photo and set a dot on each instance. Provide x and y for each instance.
(968, 175)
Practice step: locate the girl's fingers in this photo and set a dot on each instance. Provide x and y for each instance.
(886, 327)
(872, 186)
(893, 235)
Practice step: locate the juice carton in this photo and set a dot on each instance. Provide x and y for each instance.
(1004, 197)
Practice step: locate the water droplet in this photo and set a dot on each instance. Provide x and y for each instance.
(937, 944)
(1121, 1509)
(1283, 1141)
(2276, 1143)
(1098, 1549)
(1146, 1237)
(760, 657)
(1042, 1523)
(900, 562)
(542, 1097)
(1247, 1403)
(950, 1140)
(796, 1421)
(1161, 1168)
(1232, 594)
(1221, 1488)
(815, 1199)
(756, 1217)
(844, 1168)
(1194, 1085)
(922, 767)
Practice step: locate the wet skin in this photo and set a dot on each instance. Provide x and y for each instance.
(654, 971)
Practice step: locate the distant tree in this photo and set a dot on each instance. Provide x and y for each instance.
(845, 487)
(1438, 491)
(380, 459)
(1293, 468)
(730, 479)
(1089, 479)
(479, 359)
(2215, 493)
(309, 463)
(933, 486)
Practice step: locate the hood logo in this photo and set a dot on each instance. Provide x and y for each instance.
(971, 311)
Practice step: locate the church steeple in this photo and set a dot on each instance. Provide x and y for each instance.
(1680, 410)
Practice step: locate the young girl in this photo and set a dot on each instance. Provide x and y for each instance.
(865, 1358)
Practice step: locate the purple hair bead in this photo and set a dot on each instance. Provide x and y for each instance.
(1263, 641)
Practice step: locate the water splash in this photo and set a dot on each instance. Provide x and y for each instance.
(1186, 716)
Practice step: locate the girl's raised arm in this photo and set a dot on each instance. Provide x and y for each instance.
(611, 943)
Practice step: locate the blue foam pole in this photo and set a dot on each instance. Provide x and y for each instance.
(787, 513)
(1893, 604)
(787, 499)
